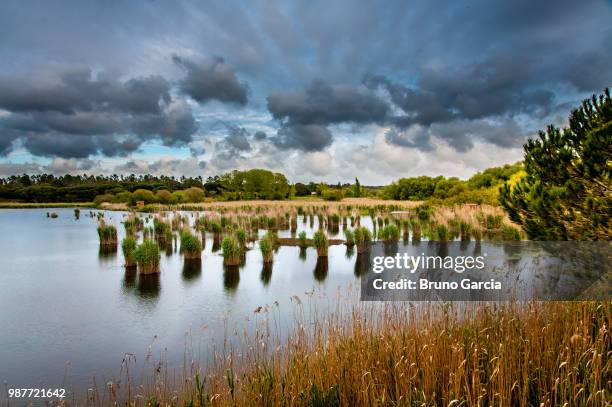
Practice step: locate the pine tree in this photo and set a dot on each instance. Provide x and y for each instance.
(566, 193)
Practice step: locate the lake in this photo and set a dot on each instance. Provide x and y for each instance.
(71, 312)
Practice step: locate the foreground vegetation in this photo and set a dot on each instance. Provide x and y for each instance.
(427, 354)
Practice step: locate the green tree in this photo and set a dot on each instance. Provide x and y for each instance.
(357, 188)
(566, 193)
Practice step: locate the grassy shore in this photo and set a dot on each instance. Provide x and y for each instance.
(27, 205)
(425, 354)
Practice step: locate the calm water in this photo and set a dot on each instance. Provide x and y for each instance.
(70, 313)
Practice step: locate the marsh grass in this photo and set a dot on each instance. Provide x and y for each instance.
(266, 246)
(303, 242)
(191, 248)
(320, 242)
(232, 252)
(390, 233)
(350, 237)
(404, 354)
(128, 247)
(442, 233)
(147, 257)
(107, 234)
(363, 239)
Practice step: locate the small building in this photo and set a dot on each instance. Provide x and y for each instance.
(140, 204)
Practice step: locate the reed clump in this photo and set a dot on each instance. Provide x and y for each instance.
(320, 242)
(147, 257)
(232, 252)
(363, 239)
(128, 247)
(266, 246)
(107, 234)
(191, 248)
(350, 237)
(302, 241)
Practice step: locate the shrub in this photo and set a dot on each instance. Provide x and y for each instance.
(321, 243)
(99, 199)
(191, 248)
(333, 195)
(193, 194)
(165, 197)
(128, 246)
(143, 195)
(147, 257)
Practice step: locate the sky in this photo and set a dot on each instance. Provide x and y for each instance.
(318, 90)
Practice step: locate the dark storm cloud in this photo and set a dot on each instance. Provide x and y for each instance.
(237, 139)
(211, 80)
(260, 135)
(82, 91)
(307, 137)
(305, 114)
(494, 87)
(460, 72)
(325, 104)
(79, 114)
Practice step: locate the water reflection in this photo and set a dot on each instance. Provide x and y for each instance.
(350, 250)
(303, 253)
(441, 249)
(129, 278)
(148, 286)
(216, 243)
(266, 273)
(231, 277)
(192, 269)
(362, 264)
(390, 248)
(107, 253)
(321, 269)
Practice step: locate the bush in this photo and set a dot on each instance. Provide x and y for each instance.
(193, 194)
(143, 195)
(164, 196)
(100, 199)
(333, 195)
